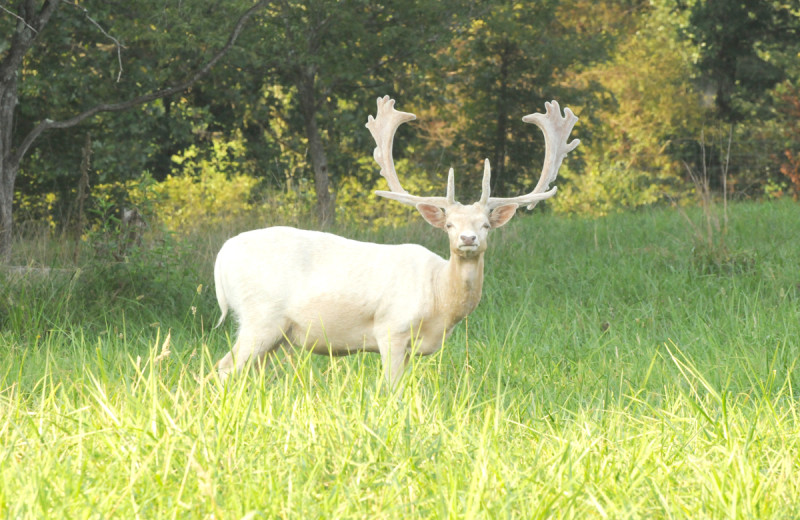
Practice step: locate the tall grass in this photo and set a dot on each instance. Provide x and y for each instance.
(611, 375)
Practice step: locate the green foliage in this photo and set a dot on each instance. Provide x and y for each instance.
(329, 56)
(110, 238)
(746, 55)
(75, 65)
(205, 190)
(745, 48)
(639, 74)
(638, 121)
(507, 61)
(605, 188)
(358, 205)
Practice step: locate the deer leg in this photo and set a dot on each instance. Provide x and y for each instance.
(394, 355)
(252, 343)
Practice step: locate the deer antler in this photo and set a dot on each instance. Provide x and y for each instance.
(383, 127)
(556, 130)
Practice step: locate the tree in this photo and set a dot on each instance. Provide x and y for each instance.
(510, 59)
(643, 112)
(740, 44)
(745, 50)
(332, 57)
(30, 19)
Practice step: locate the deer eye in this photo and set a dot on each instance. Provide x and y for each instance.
(449, 226)
(486, 226)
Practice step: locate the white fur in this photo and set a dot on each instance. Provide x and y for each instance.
(331, 295)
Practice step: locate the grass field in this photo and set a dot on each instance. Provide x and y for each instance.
(614, 369)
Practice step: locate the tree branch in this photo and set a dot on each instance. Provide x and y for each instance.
(30, 25)
(94, 22)
(48, 124)
(21, 19)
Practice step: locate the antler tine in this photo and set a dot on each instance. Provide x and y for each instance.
(556, 130)
(486, 183)
(451, 188)
(383, 127)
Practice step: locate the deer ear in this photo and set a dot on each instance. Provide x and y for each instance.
(433, 214)
(502, 214)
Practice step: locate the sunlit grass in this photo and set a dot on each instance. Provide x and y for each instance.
(608, 376)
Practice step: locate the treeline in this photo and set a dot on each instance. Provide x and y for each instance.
(666, 90)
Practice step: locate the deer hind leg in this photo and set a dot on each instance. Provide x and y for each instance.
(254, 343)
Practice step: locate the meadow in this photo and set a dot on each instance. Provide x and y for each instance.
(615, 368)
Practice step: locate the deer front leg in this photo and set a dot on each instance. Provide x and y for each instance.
(394, 356)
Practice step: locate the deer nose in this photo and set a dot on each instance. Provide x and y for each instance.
(468, 240)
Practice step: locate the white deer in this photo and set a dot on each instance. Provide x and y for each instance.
(337, 296)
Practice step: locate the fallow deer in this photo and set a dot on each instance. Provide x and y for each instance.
(337, 296)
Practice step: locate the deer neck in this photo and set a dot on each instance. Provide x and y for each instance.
(459, 287)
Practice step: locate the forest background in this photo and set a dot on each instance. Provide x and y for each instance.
(666, 90)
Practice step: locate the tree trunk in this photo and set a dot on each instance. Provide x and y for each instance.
(6, 220)
(8, 166)
(326, 214)
(30, 19)
(499, 155)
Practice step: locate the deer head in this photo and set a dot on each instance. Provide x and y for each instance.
(468, 225)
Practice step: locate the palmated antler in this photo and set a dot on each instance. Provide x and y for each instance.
(556, 130)
(383, 127)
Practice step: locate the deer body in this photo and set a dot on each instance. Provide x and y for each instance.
(330, 303)
(337, 296)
